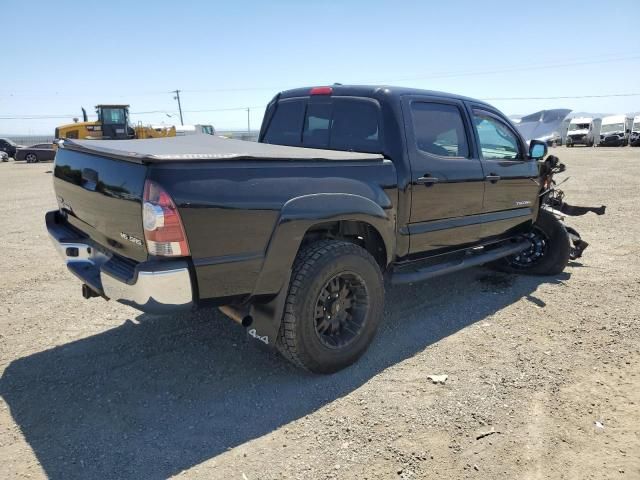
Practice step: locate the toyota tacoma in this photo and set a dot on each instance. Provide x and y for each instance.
(293, 236)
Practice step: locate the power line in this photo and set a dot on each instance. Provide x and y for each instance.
(506, 69)
(565, 97)
(255, 107)
(513, 69)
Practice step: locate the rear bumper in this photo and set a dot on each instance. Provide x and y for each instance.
(153, 287)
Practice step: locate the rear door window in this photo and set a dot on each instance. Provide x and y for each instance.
(285, 127)
(439, 129)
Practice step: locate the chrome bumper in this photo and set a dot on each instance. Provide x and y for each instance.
(153, 287)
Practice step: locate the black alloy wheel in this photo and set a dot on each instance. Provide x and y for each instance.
(539, 247)
(341, 310)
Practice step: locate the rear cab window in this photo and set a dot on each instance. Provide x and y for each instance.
(334, 123)
(286, 125)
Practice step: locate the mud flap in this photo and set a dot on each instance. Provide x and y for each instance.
(267, 318)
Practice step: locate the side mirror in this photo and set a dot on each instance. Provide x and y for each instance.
(628, 131)
(537, 149)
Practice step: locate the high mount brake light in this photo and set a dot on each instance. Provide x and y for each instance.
(163, 229)
(321, 91)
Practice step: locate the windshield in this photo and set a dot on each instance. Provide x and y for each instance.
(113, 116)
(636, 126)
(208, 129)
(612, 127)
(579, 126)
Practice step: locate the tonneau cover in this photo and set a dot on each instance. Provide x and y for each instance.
(205, 147)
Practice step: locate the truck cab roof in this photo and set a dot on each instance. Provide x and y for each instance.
(373, 91)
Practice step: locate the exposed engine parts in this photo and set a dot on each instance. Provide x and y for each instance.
(553, 200)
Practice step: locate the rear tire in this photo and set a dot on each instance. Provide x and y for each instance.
(549, 254)
(31, 158)
(334, 306)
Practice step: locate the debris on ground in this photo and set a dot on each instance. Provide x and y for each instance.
(438, 379)
(486, 434)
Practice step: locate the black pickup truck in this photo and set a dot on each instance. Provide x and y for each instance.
(293, 236)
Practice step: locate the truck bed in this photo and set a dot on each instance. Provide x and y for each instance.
(206, 148)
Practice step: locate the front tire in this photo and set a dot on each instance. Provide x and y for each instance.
(31, 158)
(549, 253)
(333, 308)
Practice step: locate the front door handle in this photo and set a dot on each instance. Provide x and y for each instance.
(492, 177)
(427, 180)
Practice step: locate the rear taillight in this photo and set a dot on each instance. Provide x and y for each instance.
(163, 230)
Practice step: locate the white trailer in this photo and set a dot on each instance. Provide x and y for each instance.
(584, 131)
(615, 131)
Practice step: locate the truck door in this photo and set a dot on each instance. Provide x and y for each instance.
(447, 183)
(511, 187)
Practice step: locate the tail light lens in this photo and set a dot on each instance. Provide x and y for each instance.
(163, 229)
(321, 91)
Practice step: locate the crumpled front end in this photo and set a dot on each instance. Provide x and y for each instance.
(553, 201)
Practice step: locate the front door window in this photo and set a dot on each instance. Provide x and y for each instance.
(497, 141)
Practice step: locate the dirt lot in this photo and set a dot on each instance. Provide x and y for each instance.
(543, 373)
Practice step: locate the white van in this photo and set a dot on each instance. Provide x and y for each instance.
(615, 131)
(198, 129)
(583, 131)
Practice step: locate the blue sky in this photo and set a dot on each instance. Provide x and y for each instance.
(61, 55)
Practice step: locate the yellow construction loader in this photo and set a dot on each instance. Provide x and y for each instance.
(112, 124)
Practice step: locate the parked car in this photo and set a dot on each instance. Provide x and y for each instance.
(4, 157)
(293, 243)
(40, 152)
(9, 146)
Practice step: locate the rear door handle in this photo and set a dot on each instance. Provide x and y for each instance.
(427, 180)
(492, 177)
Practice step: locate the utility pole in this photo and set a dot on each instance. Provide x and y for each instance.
(248, 120)
(177, 97)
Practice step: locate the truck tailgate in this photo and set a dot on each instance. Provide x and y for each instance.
(102, 197)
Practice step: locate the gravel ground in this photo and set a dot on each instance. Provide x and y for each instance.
(543, 373)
